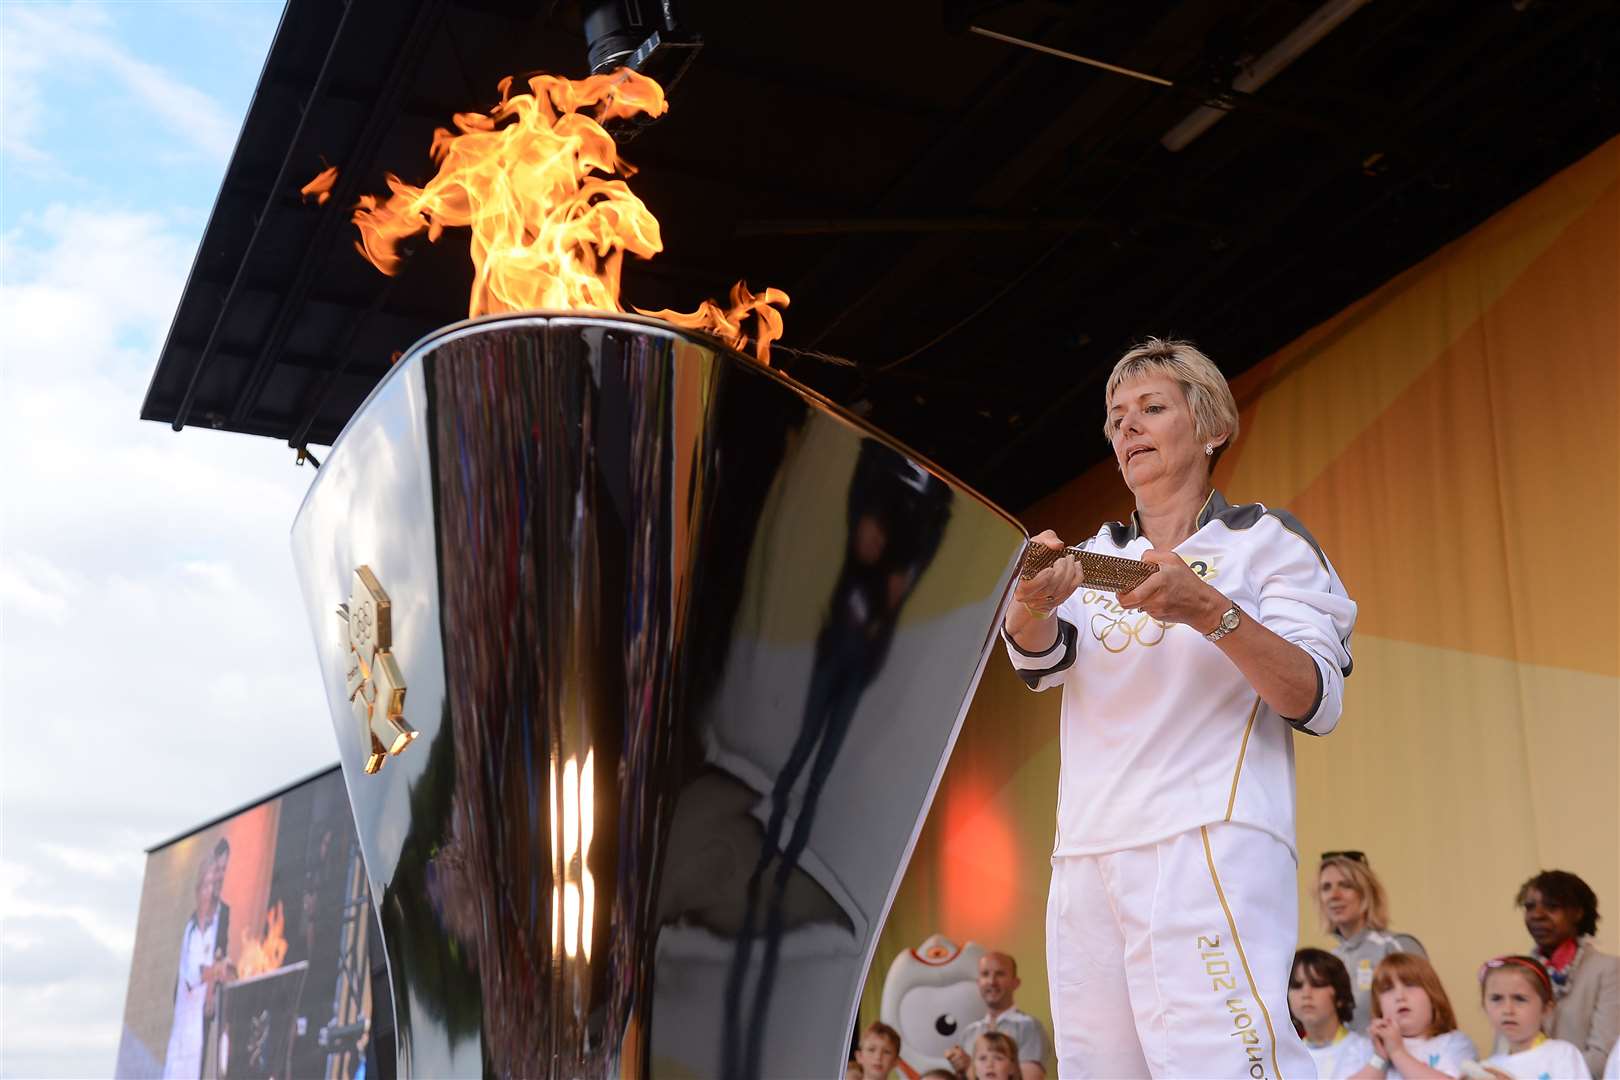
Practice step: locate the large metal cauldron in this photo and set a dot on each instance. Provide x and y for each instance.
(684, 648)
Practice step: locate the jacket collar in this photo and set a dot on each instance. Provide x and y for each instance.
(1214, 506)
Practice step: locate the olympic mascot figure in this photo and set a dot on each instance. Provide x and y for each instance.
(930, 994)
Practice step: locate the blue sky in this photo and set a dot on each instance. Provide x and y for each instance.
(155, 663)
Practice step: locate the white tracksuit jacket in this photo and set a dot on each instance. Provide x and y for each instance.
(1160, 731)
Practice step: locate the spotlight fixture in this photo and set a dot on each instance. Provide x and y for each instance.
(1262, 70)
(644, 36)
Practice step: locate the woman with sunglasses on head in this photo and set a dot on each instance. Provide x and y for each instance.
(1355, 910)
(1173, 910)
(1560, 912)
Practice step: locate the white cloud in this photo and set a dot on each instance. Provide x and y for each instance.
(64, 1026)
(23, 897)
(97, 863)
(128, 265)
(35, 587)
(155, 663)
(157, 667)
(42, 38)
(20, 100)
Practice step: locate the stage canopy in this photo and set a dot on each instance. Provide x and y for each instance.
(970, 229)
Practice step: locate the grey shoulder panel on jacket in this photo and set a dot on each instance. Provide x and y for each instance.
(1409, 944)
(1121, 533)
(1245, 517)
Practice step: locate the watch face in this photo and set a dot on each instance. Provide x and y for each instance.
(1229, 621)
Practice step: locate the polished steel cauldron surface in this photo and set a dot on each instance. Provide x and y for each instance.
(644, 663)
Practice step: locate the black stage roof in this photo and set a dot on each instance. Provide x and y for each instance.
(970, 229)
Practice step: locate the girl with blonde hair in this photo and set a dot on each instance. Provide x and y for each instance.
(995, 1057)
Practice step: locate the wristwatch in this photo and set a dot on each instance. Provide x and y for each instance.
(1229, 622)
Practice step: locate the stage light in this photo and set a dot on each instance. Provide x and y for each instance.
(644, 36)
(1262, 70)
(613, 31)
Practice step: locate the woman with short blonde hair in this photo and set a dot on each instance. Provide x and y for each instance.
(1181, 698)
(1214, 409)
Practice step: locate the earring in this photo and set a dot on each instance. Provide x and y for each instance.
(1209, 449)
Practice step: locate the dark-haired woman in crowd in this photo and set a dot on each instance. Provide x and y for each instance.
(1355, 910)
(1561, 914)
(1321, 1004)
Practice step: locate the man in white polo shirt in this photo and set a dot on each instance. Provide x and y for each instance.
(998, 981)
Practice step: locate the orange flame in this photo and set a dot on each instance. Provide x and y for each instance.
(534, 180)
(727, 323)
(321, 186)
(260, 955)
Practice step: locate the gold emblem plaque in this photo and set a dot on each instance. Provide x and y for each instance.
(376, 686)
(1109, 573)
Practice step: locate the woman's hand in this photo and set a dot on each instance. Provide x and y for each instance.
(1029, 620)
(1049, 588)
(1176, 595)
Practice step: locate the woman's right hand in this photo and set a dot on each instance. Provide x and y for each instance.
(1049, 588)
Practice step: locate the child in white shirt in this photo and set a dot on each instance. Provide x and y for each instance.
(1322, 1004)
(1517, 995)
(878, 1051)
(995, 1057)
(1414, 1028)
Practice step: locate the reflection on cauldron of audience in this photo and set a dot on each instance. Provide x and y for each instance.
(897, 513)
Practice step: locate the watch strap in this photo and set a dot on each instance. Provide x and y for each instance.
(1229, 622)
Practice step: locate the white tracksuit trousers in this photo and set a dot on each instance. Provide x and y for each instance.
(1172, 959)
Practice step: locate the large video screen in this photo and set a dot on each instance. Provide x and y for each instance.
(256, 947)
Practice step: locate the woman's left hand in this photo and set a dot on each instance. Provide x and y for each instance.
(1175, 594)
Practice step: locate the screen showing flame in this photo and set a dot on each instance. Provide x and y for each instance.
(540, 183)
(260, 955)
